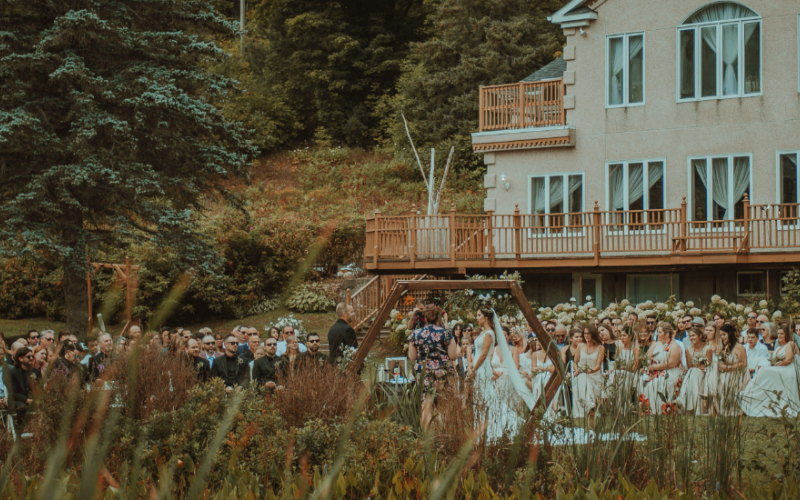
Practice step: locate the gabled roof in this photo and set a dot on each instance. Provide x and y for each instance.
(575, 13)
(552, 71)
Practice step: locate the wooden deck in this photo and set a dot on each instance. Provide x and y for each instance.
(601, 240)
(522, 105)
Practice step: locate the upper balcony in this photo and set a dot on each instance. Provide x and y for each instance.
(525, 115)
(644, 239)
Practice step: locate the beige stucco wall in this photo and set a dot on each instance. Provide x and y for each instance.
(663, 128)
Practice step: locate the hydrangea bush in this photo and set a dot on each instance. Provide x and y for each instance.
(290, 320)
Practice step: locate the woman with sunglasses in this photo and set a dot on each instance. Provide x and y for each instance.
(769, 334)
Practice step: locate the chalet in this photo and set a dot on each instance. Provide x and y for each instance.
(657, 156)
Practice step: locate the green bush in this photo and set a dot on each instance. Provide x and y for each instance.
(30, 288)
(310, 298)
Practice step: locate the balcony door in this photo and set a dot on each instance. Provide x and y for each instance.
(556, 204)
(635, 195)
(718, 185)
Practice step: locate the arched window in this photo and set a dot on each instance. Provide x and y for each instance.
(719, 53)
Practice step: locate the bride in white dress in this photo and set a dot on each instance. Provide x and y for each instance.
(497, 384)
(760, 397)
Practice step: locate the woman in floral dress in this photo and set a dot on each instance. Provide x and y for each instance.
(431, 349)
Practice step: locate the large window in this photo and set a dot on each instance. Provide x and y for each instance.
(788, 187)
(719, 53)
(718, 185)
(553, 196)
(625, 70)
(633, 187)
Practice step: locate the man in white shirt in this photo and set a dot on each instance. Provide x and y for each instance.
(756, 351)
(287, 331)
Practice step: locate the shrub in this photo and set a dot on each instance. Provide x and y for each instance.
(310, 298)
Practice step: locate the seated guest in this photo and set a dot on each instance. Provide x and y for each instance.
(33, 338)
(39, 362)
(288, 331)
(756, 351)
(290, 360)
(253, 343)
(134, 334)
(775, 390)
(15, 346)
(67, 364)
(91, 347)
(210, 350)
(265, 369)
(21, 383)
(231, 368)
(260, 352)
(200, 364)
(101, 361)
(312, 358)
(63, 334)
(48, 338)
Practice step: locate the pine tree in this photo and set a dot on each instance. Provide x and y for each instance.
(107, 134)
(470, 43)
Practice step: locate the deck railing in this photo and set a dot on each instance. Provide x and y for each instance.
(522, 105)
(592, 235)
(368, 299)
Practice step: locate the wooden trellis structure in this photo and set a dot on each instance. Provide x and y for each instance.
(127, 273)
(400, 287)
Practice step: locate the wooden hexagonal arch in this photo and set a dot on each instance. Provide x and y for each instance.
(513, 288)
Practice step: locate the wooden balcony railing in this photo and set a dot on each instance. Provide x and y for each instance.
(454, 240)
(522, 105)
(368, 299)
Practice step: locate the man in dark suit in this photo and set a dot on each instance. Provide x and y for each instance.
(265, 369)
(200, 364)
(100, 362)
(312, 359)
(341, 335)
(231, 368)
(21, 383)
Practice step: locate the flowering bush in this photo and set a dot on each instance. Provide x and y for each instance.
(290, 320)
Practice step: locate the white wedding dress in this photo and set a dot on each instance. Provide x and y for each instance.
(760, 397)
(502, 402)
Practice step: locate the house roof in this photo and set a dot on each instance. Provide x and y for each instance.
(574, 13)
(551, 71)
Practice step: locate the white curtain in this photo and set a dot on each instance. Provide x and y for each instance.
(616, 178)
(616, 64)
(557, 189)
(719, 176)
(636, 180)
(741, 181)
(538, 195)
(730, 59)
(741, 178)
(635, 46)
(721, 12)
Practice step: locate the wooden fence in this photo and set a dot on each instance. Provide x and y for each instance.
(522, 105)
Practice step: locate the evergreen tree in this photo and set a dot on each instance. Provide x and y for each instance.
(470, 43)
(332, 62)
(107, 133)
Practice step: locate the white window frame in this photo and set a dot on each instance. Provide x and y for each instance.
(697, 27)
(778, 155)
(626, 71)
(626, 224)
(565, 186)
(709, 173)
(763, 282)
(798, 52)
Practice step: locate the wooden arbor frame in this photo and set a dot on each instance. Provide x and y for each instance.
(126, 273)
(400, 287)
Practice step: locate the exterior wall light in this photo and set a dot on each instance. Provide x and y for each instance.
(505, 182)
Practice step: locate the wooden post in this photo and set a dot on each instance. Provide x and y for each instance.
(596, 223)
(490, 236)
(684, 226)
(412, 245)
(453, 235)
(745, 246)
(376, 249)
(521, 105)
(481, 105)
(767, 273)
(580, 288)
(517, 232)
(348, 299)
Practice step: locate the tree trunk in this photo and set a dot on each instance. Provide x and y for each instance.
(76, 295)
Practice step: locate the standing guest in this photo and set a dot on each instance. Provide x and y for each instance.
(465, 359)
(91, 347)
(33, 338)
(610, 343)
(650, 322)
(515, 344)
(733, 374)
(761, 319)
(341, 335)
(775, 388)
(560, 331)
(769, 334)
(570, 352)
(265, 369)
(752, 317)
(712, 375)
(431, 348)
(231, 368)
(719, 318)
(617, 323)
(417, 316)
(164, 336)
(663, 382)
(542, 369)
(67, 364)
(458, 333)
(684, 326)
(210, 349)
(101, 361)
(643, 339)
(622, 382)
(755, 350)
(797, 333)
(120, 346)
(48, 337)
(632, 319)
(696, 361)
(313, 358)
(21, 383)
(200, 364)
(587, 378)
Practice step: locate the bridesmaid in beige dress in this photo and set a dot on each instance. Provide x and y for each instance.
(697, 361)
(665, 371)
(587, 379)
(733, 374)
(709, 392)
